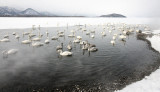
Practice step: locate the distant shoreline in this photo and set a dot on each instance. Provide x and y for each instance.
(55, 17)
(29, 12)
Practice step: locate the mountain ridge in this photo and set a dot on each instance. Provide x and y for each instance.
(113, 15)
(6, 11)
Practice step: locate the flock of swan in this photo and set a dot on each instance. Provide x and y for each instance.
(35, 39)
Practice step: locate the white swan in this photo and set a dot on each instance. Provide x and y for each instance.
(71, 35)
(47, 41)
(40, 35)
(14, 33)
(61, 35)
(54, 38)
(69, 46)
(76, 40)
(87, 33)
(36, 39)
(113, 42)
(72, 31)
(138, 31)
(85, 46)
(32, 35)
(83, 42)
(47, 33)
(79, 37)
(60, 47)
(92, 36)
(84, 29)
(103, 33)
(27, 41)
(114, 37)
(17, 36)
(6, 36)
(61, 32)
(9, 52)
(110, 31)
(5, 40)
(122, 37)
(37, 44)
(131, 30)
(124, 32)
(92, 49)
(65, 53)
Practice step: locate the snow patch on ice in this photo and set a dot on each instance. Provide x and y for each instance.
(156, 32)
(147, 32)
(148, 84)
(155, 42)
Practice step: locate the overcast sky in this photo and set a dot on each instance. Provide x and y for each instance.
(130, 8)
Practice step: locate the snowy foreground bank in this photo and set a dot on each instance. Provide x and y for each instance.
(149, 83)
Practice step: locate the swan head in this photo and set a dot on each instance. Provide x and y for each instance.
(83, 42)
(59, 51)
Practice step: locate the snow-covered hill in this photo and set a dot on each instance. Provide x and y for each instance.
(8, 11)
(30, 12)
(12, 12)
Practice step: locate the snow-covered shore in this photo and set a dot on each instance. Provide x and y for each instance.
(150, 83)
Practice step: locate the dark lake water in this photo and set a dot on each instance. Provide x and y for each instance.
(42, 69)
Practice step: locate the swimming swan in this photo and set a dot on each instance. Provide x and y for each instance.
(9, 52)
(47, 41)
(92, 49)
(27, 41)
(37, 44)
(65, 53)
(69, 47)
(60, 47)
(5, 40)
(113, 42)
(54, 38)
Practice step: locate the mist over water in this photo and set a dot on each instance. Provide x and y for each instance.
(155, 23)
